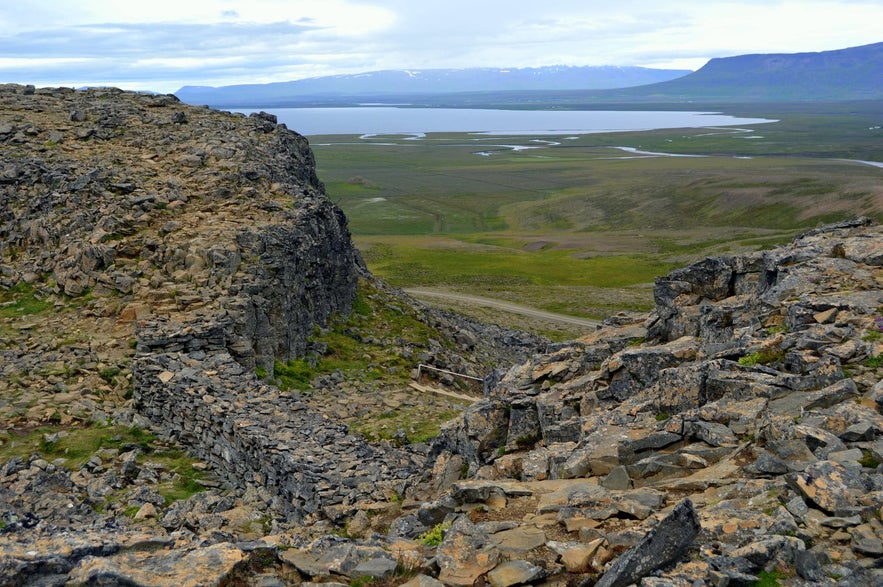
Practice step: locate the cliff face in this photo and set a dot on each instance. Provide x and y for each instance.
(178, 210)
(154, 257)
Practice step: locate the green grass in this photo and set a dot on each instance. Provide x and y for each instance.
(434, 536)
(476, 269)
(411, 420)
(385, 320)
(868, 460)
(441, 187)
(366, 348)
(20, 300)
(293, 374)
(582, 214)
(769, 579)
(553, 278)
(762, 357)
(872, 336)
(874, 362)
(76, 445)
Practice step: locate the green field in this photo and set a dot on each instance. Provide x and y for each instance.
(576, 225)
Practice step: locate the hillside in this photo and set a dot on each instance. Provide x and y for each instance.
(202, 385)
(842, 75)
(845, 74)
(379, 85)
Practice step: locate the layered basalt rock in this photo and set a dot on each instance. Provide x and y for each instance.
(736, 430)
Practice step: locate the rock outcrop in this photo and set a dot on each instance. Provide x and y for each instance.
(754, 388)
(255, 436)
(185, 209)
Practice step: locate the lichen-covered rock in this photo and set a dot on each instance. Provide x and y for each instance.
(832, 487)
(465, 554)
(517, 572)
(207, 566)
(665, 543)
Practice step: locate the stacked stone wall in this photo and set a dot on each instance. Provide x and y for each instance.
(254, 435)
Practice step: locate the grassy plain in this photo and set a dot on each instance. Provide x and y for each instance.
(577, 225)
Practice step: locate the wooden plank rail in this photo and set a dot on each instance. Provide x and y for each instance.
(427, 389)
(421, 367)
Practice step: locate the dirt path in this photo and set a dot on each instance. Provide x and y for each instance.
(504, 306)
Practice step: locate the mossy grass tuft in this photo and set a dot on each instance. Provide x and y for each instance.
(21, 300)
(434, 536)
(75, 445)
(874, 362)
(762, 357)
(769, 579)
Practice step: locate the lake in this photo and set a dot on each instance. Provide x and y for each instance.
(393, 120)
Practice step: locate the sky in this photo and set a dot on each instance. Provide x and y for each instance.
(162, 45)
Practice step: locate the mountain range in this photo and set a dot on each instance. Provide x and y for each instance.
(382, 84)
(845, 74)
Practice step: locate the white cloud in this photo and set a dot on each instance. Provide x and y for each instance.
(169, 43)
(30, 63)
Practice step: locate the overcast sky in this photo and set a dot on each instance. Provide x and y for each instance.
(161, 45)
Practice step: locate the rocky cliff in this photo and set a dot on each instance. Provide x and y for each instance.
(178, 210)
(178, 306)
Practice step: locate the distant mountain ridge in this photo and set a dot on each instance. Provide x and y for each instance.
(854, 73)
(427, 81)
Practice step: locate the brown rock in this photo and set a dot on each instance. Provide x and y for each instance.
(465, 554)
(148, 510)
(578, 559)
(195, 568)
(830, 486)
(422, 580)
(517, 572)
(519, 540)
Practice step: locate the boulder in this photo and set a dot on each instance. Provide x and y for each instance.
(517, 572)
(465, 554)
(831, 486)
(211, 565)
(665, 543)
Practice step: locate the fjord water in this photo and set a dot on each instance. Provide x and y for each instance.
(393, 120)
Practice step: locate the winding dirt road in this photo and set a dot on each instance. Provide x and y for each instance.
(504, 306)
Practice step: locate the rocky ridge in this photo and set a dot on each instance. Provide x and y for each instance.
(733, 434)
(753, 390)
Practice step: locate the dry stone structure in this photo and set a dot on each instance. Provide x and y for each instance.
(187, 383)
